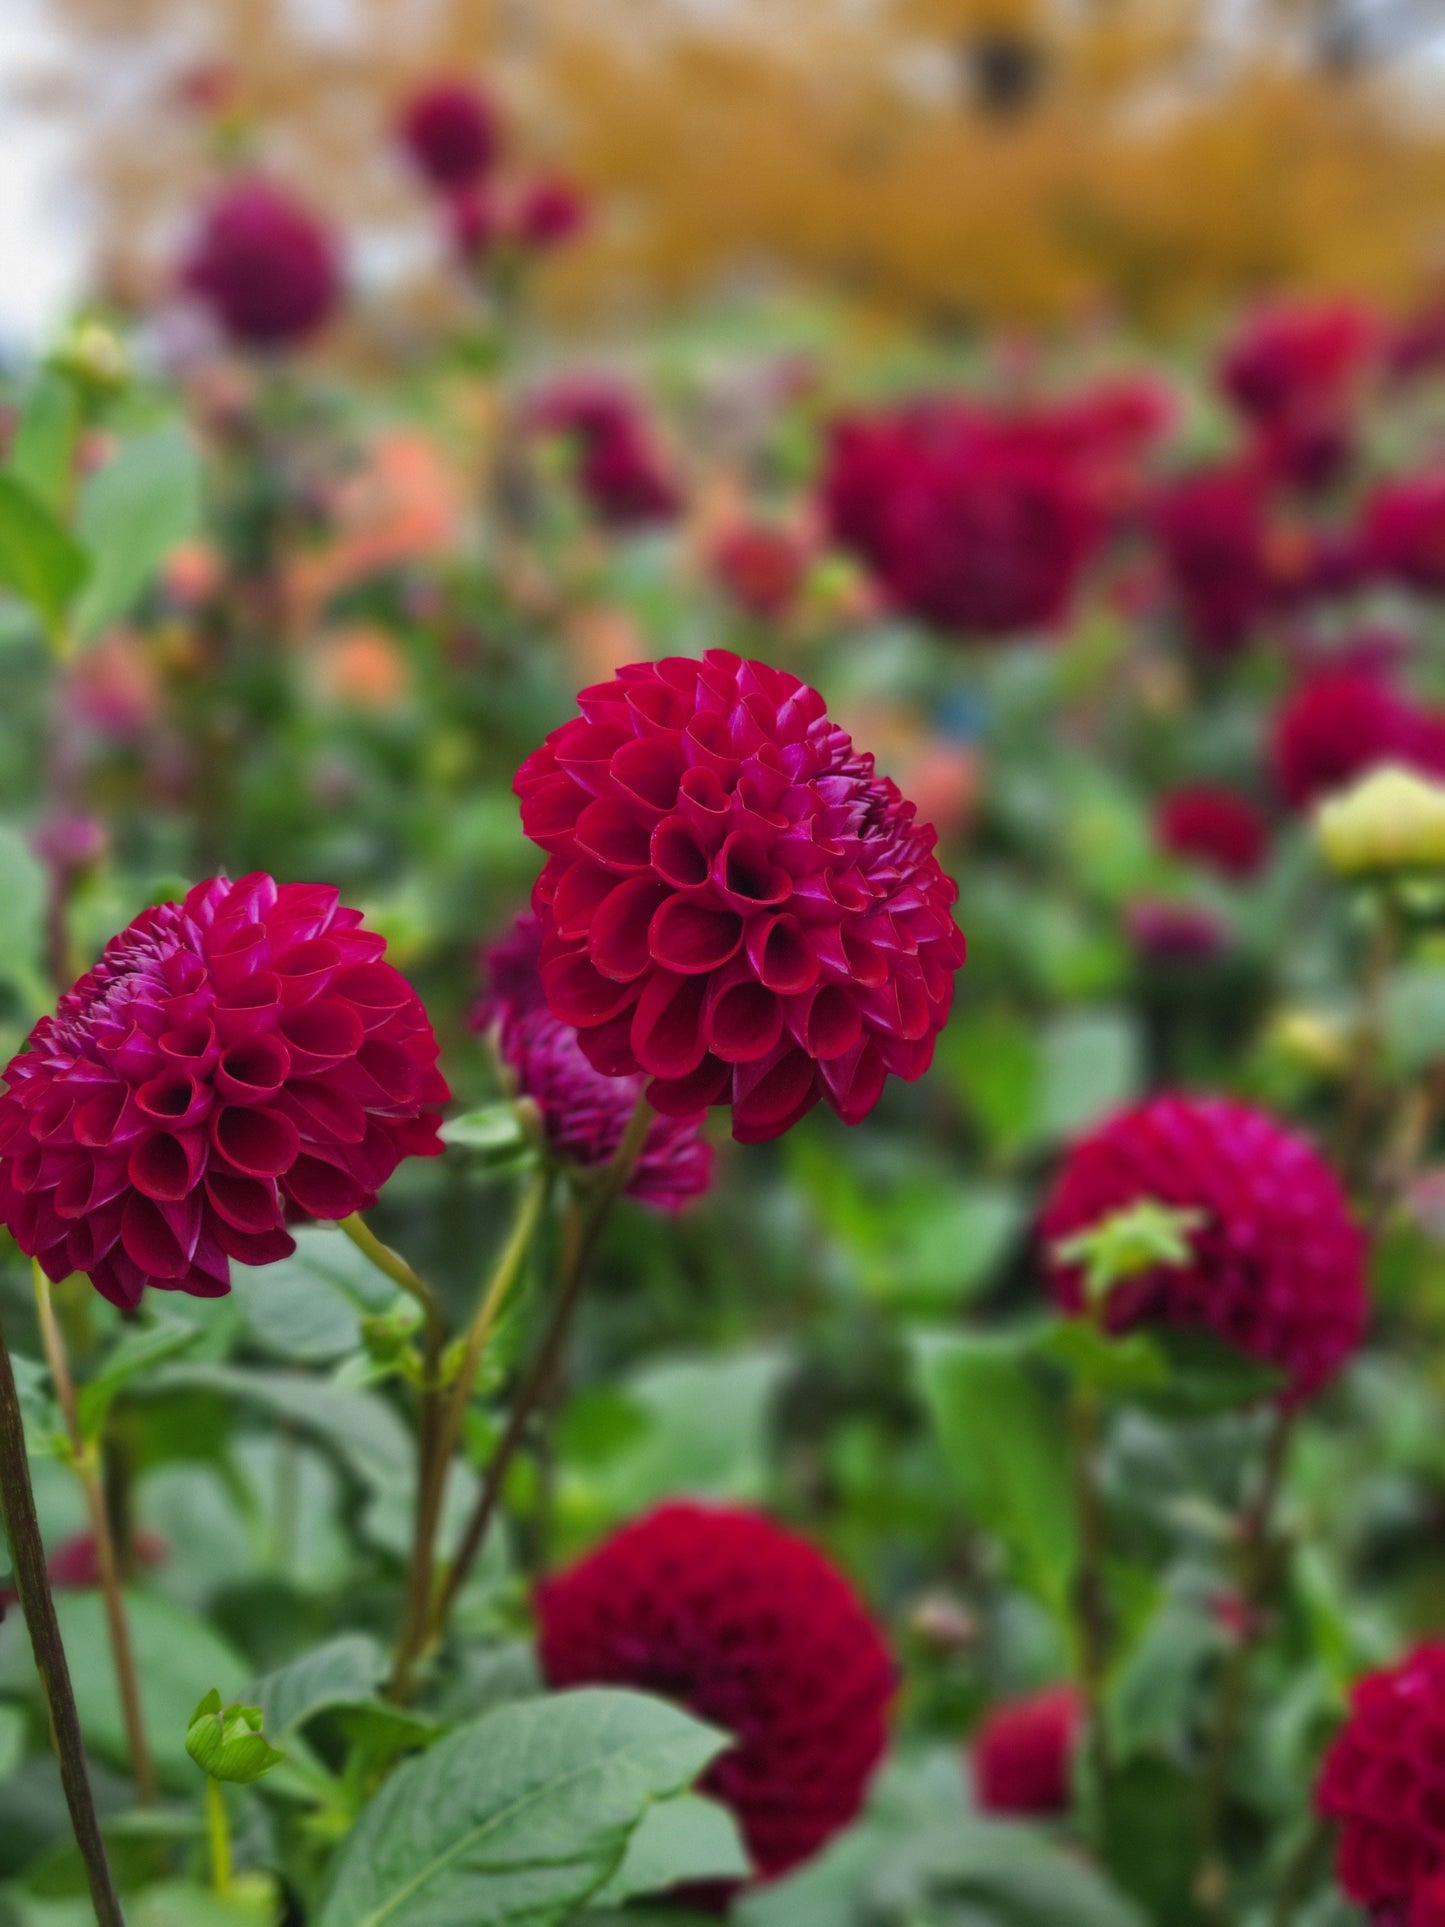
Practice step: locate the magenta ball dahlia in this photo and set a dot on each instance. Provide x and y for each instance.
(584, 1113)
(1277, 1267)
(234, 1062)
(450, 131)
(752, 1629)
(1383, 1785)
(264, 265)
(735, 904)
(1215, 826)
(1023, 1753)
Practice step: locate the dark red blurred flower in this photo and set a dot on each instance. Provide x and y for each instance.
(1403, 536)
(762, 566)
(620, 469)
(547, 211)
(1278, 1264)
(1418, 346)
(1343, 722)
(584, 1114)
(1295, 369)
(474, 221)
(978, 524)
(1167, 931)
(736, 904)
(235, 1060)
(1428, 1907)
(74, 1565)
(450, 130)
(1376, 1785)
(264, 265)
(750, 1628)
(1213, 825)
(1023, 1754)
(1214, 540)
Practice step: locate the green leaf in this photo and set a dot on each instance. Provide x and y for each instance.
(133, 512)
(1092, 1064)
(496, 1136)
(1100, 1360)
(1207, 1376)
(137, 1351)
(1005, 1448)
(1150, 1844)
(42, 454)
(22, 917)
(12, 1739)
(344, 1672)
(39, 558)
(706, 1429)
(178, 1659)
(227, 1742)
(679, 1840)
(310, 1306)
(518, 1817)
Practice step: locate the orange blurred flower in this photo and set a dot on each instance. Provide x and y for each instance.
(361, 667)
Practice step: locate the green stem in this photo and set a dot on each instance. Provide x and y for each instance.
(22, 1528)
(435, 1470)
(609, 1187)
(218, 1831)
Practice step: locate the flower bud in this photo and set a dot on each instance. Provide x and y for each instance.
(1390, 821)
(227, 1742)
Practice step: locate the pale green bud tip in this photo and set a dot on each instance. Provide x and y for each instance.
(1391, 820)
(227, 1742)
(1128, 1243)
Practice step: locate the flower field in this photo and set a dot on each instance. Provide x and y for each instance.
(721, 1165)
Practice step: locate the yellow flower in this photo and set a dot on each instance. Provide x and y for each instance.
(1389, 821)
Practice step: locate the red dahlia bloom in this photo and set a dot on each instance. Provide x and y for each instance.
(1213, 825)
(1380, 1784)
(1214, 539)
(1404, 532)
(1277, 1266)
(264, 265)
(1168, 932)
(1295, 369)
(233, 1061)
(1023, 1754)
(548, 211)
(474, 221)
(751, 1628)
(620, 470)
(735, 904)
(762, 567)
(584, 1114)
(450, 131)
(1341, 723)
(980, 525)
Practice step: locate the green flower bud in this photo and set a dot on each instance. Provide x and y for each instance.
(227, 1742)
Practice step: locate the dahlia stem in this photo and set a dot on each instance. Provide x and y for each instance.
(84, 1460)
(32, 1582)
(218, 1831)
(610, 1186)
(435, 1471)
(1254, 1532)
(1091, 1603)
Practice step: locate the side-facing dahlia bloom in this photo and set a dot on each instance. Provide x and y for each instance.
(735, 903)
(584, 1113)
(978, 524)
(1295, 369)
(1403, 538)
(450, 131)
(1214, 541)
(620, 469)
(1380, 1785)
(1341, 723)
(264, 265)
(1277, 1265)
(234, 1061)
(1023, 1754)
(1213, 825)
(750, 1628)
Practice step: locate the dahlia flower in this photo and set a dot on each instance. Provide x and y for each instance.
(747, 1626)
(1167, 931)
(1378, 1786)
(1213, 825)
(1023, 1754)
(1277, 1267)
(584, 1113)
(620, 470)
(1341, 723)
(450, 131)
(547, 211)
(1214, 541)
(264, 265)
(762, 566)
(234, 1061)
(734, 903)
(1403, 536)
(1294, 369)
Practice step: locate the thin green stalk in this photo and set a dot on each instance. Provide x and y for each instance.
(218, 1832)
(22, 1529)
(609, 1187)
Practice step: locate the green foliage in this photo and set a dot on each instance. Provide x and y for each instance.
(39, 559)
(132, 512)
(228, 1743)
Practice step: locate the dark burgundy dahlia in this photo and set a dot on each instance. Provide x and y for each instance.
(1214, 539)
(1277, 1266)
(752, 1629)
(235, 1061)
(1403, 537)
(1023, 1753)
(264, 265)
(1383, 1784)
(584, 1113)
(620, 468)
(1343, 722)
(450, 131)
(1213, 825)
(735, 904)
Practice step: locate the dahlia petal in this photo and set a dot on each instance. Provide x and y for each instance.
(781, 954)
(121, 1280)
(308, 967)
(257, 1143)
(253, 1006)
(254, 1248)
(678, 856)
(705, 806)
(581, 890)
(579, 993)
(769, 1096)
(685, 1096)
(744, 1019)
(166, 1166)
(827, 1022)
(246, 1204)
(174, 1099)
(150, 1241)
(323, 1190)
(608, 1047)
(614, 836)
(322, 1034)
(550, 812)
(690, 937)
(375, 989)
(618, 939)
(646, 772)
(667, 1030)
(252, 1070)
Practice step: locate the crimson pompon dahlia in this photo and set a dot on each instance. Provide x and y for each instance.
(1023, 1753)
(264, 265)
(1380, 1784)
(1214, 825)
(450, 131)
(1277, 1265)
(584, 1114)
(734, 903)
(752, 1629)
(1343, 722)
(234, 1061)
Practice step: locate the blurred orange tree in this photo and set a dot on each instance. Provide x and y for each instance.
(999, 160)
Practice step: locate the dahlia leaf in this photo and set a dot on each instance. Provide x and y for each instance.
(344, 1672)
(136, 1352)
(133, 512)
(679, 1840)
(42, 453)
(39, 558)
(518, 1817)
